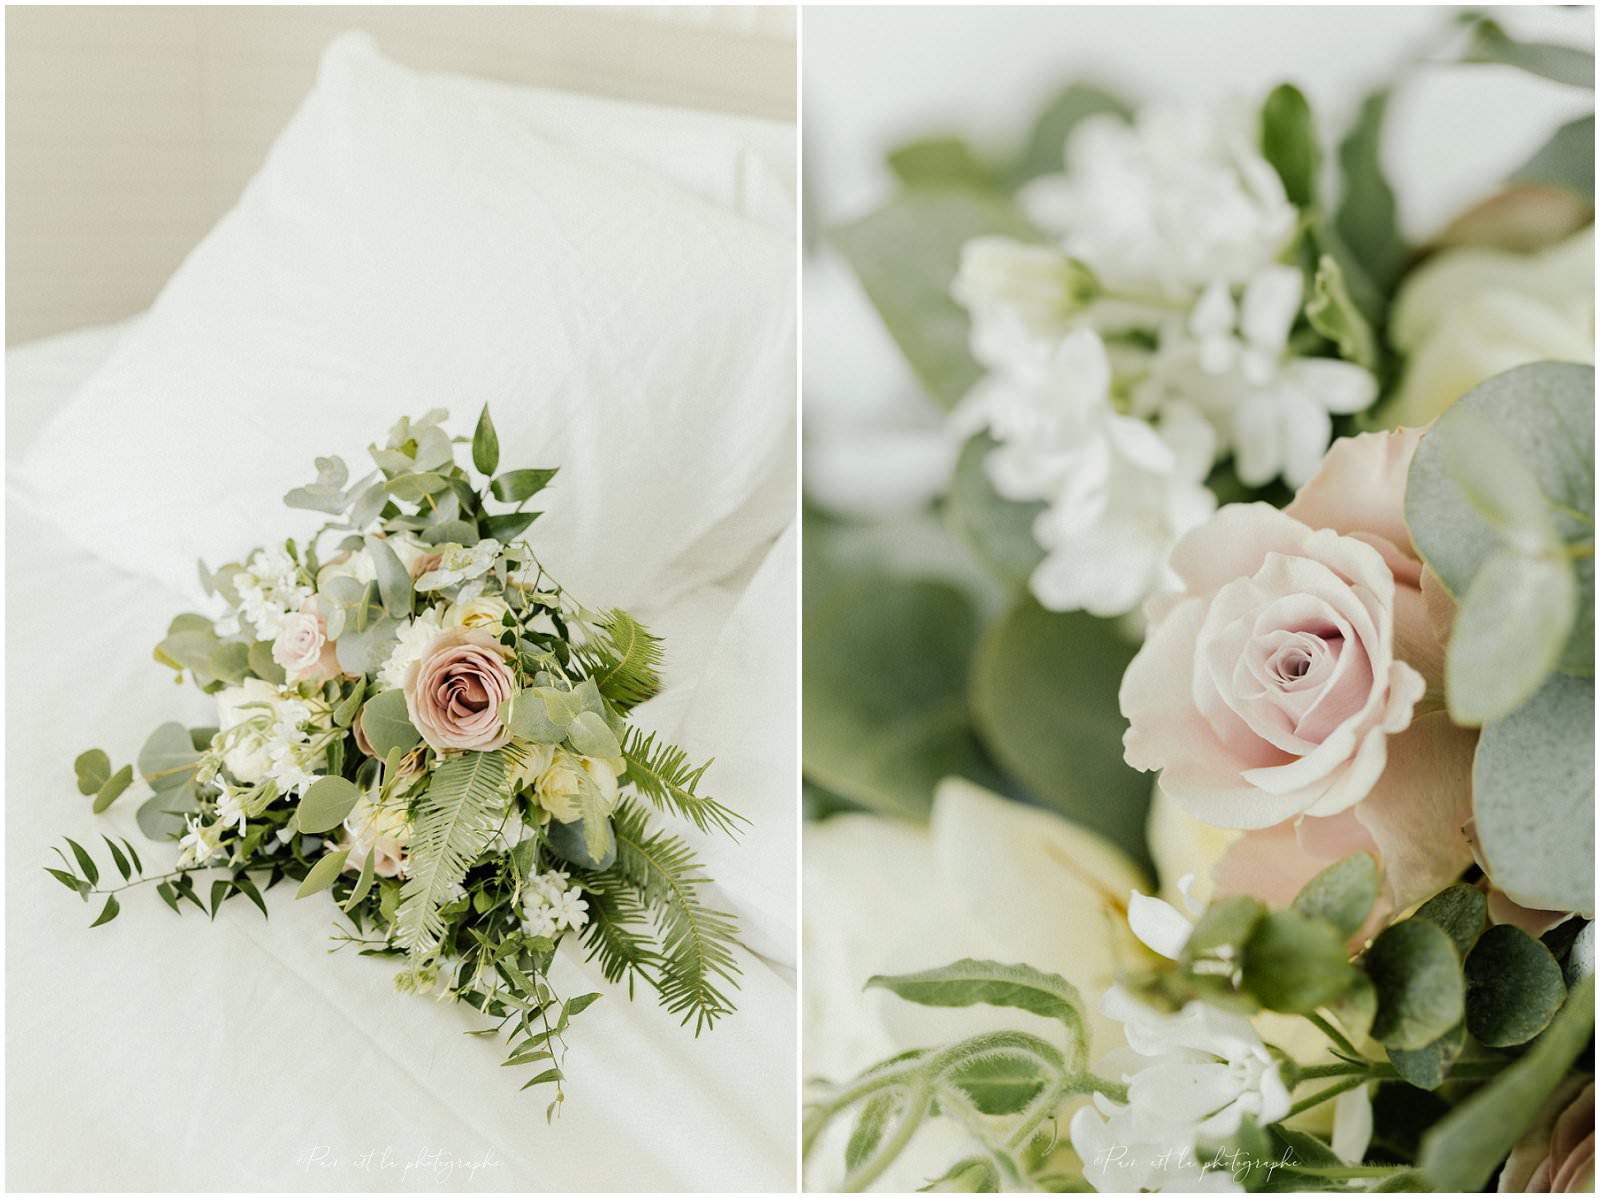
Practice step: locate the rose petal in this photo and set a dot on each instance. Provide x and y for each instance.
(1361, 487)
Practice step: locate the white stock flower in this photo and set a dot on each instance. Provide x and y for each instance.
(1016, 289)
(411, 642)
(269, 588)
(551, 906)
(1115, 1162)
(265, 732)
(230, 807)
(1176, 201)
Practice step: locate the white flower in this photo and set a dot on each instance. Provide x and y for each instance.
(569, 777)
(411, 642)
(1232, 361)
(1017, 289)
(551, 906)
(382, 832)
(200, 844)
(1168, 205)
(1116, 1160)
(460, 563)
(1119, 491)
(265, 732)
(484, 611)
(269, 588)
(569, 910)
(230, 808)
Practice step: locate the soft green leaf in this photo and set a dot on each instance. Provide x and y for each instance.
(998, 1084)
(394, 580)
(325, 804)
(108, 912)
(1461, 910)
(1289, 143)
(1334, 313)
(243, 884)
(70, 881)
(1566, 160)
(1564, 64)
(971, 982)
(877, 1113)
(1044, 699)
(119, 858)
(1417, 974)
(1462, 1151)
(1342, 894)
(1491, 475)
(974, 1175)
(161, 816)
(589, 735)
(1367, 218)
(1226, 925)
(93, 769)
(485, 444)
(509, 527)
(1045, 150)
(1356, 1007)
(1428, 1066)
(1514, 987)
(323, 873)
(386, 723)
(168, 759)
(1533, 798)
(941, 160)
(85, 862)
(514, 486)
(906, 255)
(998, 531)
(1509, 633)
(113, 788)
(1293, 962)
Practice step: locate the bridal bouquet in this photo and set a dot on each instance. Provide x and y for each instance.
(415, 720)
(1312, 512)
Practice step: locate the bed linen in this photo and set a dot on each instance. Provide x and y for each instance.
(272, 1065)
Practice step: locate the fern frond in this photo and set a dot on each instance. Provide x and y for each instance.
(696, 942)
(453, 822)
(662, 774)
(618, 932)
(624, 660)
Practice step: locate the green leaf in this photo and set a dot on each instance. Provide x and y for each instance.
(1294, 963)
(1462, 1151)
(969, 982)
(1566, 160)
(394, 580)
(259, 659)
(1044, 699)
(243, 884)
(514, 486)
(662, 774)
(108, 912)
(1366, 219)
(485, 444)
(1461, 910)
(998, 531)
(1289, 143)
(70, 881)
(906, 255)
(877, 1113)
(325, 804)
(363, 883)
(1226, 925)
(1356, 1007)
(1514, 987)
(93, 769)
(1509, 633)
(1342, 894)
(386, 723)
(1533, 798)
(85, 862)
(168, 759)
(941, 160)
(1544, 415)
(1550, 60)
(1334, 313)
(323, 873)
(589, 735)
(1415, 970)
(539, 714)
(1428, 1066)
(884, 693)
(1502, 490)
(118, 858)
(1045, 150)
(509, 527)
(998, 1084)
(450, 826)
(113, 788)
(161, 816)
(624, 661)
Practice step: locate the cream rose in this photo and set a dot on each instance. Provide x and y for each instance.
(1471, 313)
(1278, 692)
(485, 611)
(302, 646)
(567, 776)
(383, 833)
(455, 689)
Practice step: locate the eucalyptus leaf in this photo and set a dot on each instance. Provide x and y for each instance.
(394, 580)
(1417, 975)
(1428, 1066)
(998, 531)
(168, 759)
(1342, 894)
(259, 658)
(1514, 987)
(1294, 962)
(325, 804)
(567, 841)
(1533, 798)
(161, 816)
(323, 873)
(93, 768)
(112, 789)
(386, 723)
(1461, 910)
(589, 736)
(1509, 633)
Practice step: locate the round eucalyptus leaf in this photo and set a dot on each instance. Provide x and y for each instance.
(1461, 910)
(1427, 1067)
(568, 842)
(1044, 697)
(1294, 962)
(1417, 975)
(325, 804)
(1514, 987)
(1533, 798)
(1543, 414)
(1342, 894)
(386, 723)
(1509, 633)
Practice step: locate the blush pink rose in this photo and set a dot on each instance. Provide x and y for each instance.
(455, 689)
(1282, 691)
(302, 646)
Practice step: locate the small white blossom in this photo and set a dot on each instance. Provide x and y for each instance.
(551, 906)
(411, 642)
(269, 588)
(200, 844)
(230, 807)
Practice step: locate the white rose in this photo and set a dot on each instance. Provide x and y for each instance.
(1468, 314)
(302, 646)
(485, 611)
(247, 758)
(568, 776)
(380, 831)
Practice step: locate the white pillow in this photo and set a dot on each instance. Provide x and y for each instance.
(408, 246)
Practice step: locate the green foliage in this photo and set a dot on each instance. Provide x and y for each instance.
(1461, 1152)
(325, 804)
(969, 982)
(1333, 312)
(517, 486)
(998, 532)
(1044, 151)
(1044, 699)
(1294, 962)
(662, 774)
(93, 768)
(1342, 894)
(322, 875)
(941, 160)
(1289, 143)
(1366, 219)
(1566, 160)
(485, 444)
(906, 254)
(1461, 910)
(1428, 1067)
(1514, 987)
(1417, 975)
(450, 827)
(624, 661)
(1564, 64)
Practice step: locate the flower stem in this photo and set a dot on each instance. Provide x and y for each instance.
(1321, 1096)
(1340, 1041)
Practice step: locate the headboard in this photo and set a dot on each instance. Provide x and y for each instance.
(130, 130)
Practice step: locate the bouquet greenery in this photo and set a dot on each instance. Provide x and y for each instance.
(1180, 538)
(415, 719)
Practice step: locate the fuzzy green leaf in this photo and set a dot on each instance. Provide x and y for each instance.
(970, 982)
(93, 769)
(1417, 974)
(1514, 987)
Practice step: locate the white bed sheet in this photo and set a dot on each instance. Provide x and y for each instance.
(159, 1053)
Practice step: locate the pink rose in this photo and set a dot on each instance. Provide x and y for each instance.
(1556, 1155)
(454, 691)
(302, 646)
(1279, 691)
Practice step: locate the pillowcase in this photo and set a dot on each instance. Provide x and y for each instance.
(407, 246)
